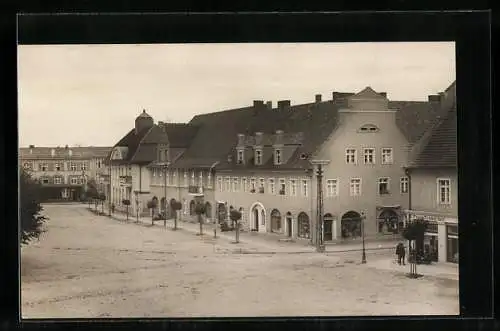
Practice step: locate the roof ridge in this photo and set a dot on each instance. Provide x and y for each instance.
(140, 141)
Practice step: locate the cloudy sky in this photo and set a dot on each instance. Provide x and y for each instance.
(91, 94)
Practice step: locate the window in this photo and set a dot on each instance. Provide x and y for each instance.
(27, 165)
(277, 156)
(261, 185)
(305, 187)
(74, 180)
(331, 187)
(98, 163)
(84, 166)
(253, 185)
(220, 184)
(72, 166)
(444, 191)
(57, 180)
(193, 181)
(244, 184)
(209, 180)
(369, 155)
(236, 184)
(368, 128)
(185, 178)
(293, 187)
(44, 166)
(258, 157)
(57, 166)
(45, 181)
(272, 188)
(200, 179)
(387, 156)
(154, 172)
(355, 186)
(351, 157)
(228, 184)
(404, 184)
(282, 186)
(169, 178)
(241, 156)
(383, 185)
(185, 203)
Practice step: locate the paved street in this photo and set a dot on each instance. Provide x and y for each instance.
(94, 266)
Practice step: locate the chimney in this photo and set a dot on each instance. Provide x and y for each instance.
(162, 126)
(66, 147)
(258, 138)
(258, 103)
(434, 98)
(241, 139)
(384, 94)
(269, 105)
(32, 146)
(283, 104)
(318, 98)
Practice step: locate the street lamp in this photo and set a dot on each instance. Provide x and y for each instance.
(320, 247)
(363, 256)
(165, 167)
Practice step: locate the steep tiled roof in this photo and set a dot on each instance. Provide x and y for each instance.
(368, 93)
(180, 135)
(312, 122)
(414, 117)
(132, 141)
(440, 147)
(63, 153)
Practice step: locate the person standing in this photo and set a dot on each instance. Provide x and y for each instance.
(400, 252)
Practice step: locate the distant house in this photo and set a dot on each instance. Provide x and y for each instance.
(432, 170)
(63, 171)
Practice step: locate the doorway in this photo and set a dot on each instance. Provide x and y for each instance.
(289, 225)
(255, 219)
(328, 227)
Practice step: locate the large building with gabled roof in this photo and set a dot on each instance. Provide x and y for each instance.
(432, 169)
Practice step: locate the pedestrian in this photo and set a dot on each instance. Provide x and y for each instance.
(400, 252)
(403, 253)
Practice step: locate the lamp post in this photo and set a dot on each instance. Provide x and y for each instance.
(363, 256)
(110, 186)
(320, 247)
(165, 167)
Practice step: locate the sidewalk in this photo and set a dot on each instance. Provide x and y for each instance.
(437, 270)
(268, 241)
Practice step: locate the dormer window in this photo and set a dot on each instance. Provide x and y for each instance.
(277, 156)
(368, 128)
(70, 152)
(53, 152)
(258, 157)
(241, 156)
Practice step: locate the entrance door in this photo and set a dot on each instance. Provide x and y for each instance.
(256, 219)
(289, 226)
(328, 235)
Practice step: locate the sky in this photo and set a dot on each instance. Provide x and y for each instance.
(90, 95)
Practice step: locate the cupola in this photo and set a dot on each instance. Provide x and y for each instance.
(143, 121)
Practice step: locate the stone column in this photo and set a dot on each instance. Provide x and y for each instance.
(442, 242)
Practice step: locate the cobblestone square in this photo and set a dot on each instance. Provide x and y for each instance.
(88, 266)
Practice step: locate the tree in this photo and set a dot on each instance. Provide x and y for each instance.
(200, 209)
(235, 216)
(176, 205)
(414, 233)
(92, 191)
(126, 202)
(30, 208)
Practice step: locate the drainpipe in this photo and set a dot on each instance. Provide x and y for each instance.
(214, 202)
(140, 187)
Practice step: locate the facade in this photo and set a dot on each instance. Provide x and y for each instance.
(63, 172)
(262, 160)
(432, 169)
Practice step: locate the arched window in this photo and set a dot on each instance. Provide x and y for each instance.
(303, 225)
(351, 224)
(208, 210)
(275, 221)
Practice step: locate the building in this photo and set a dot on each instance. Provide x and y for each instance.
(262, 160)
(432, 169)
(63, 172)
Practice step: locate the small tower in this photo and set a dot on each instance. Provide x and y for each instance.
(143, 121)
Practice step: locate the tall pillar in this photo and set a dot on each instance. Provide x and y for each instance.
(442, 242)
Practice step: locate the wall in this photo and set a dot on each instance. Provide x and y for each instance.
(283, 203)
(424, 191)
(347, 136)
